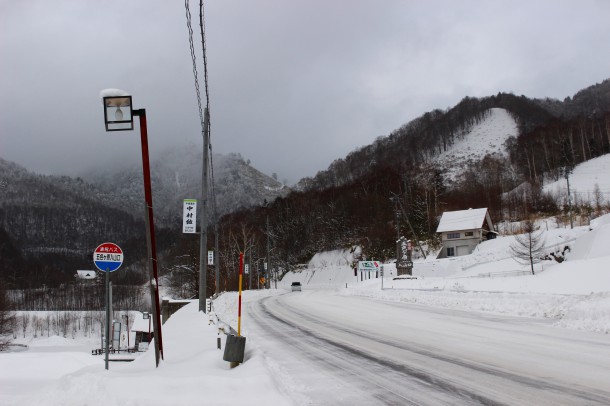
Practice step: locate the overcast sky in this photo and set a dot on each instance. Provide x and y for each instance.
(294, 84)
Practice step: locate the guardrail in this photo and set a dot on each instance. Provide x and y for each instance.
(235, 345)
(101, 351)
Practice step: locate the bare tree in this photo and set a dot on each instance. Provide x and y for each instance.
(528, 247)
(7, 318)
(183, 279)
(25, 322)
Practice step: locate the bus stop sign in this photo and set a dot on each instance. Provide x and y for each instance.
(108, 257)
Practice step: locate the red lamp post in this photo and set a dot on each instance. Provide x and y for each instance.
(118, 116)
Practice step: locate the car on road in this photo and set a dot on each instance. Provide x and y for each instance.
(295, 287)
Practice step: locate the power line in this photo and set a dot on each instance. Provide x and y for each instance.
(194, 60)
(206, 87)
(207, 96)
(205, 57)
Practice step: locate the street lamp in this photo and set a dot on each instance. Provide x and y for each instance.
(118, 116)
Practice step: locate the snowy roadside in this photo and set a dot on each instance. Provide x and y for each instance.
(583, 312)
(192, 373)
(573, 294)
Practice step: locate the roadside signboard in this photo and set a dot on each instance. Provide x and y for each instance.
(368, 266)
(189, 216)
(116, 335)
(108, 257)
(210, 257)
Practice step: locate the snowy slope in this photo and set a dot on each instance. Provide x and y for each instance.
(583, 181)
(486, 138)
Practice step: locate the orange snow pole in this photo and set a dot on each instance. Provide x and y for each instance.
(241, 272)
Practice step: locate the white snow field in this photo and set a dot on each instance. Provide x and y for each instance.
(586, 178)
(464, 328)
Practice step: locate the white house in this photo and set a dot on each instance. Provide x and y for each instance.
(463, 230)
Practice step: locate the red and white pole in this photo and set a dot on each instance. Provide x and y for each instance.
(241, 273)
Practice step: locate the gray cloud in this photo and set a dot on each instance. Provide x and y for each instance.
(293, 84)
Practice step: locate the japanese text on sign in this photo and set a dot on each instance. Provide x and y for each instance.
(189, 216)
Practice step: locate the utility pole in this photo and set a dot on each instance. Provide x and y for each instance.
(397, 225)
(203, 215)
(250, 270)
(216, 258)
(569, 199)
(400, 266)
(268, 270)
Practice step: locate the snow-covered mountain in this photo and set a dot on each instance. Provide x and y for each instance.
(55, 221)
(176, 175)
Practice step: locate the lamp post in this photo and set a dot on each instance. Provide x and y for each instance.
(118, 116)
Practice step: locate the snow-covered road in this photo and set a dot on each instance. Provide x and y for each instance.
(337, 350)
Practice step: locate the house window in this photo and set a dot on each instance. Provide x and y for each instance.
(451, 252)
(453, 235)
(469, 234)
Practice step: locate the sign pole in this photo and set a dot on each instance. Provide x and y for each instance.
(107, 332)
(241, 272)
(108, 257)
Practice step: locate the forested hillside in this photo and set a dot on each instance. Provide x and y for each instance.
(176, 175)
(49, 225)
(351, 202)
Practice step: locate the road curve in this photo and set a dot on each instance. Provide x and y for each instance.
(345, 350)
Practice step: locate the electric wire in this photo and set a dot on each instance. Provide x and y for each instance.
(194, 60)
(198, 91)
(207, 95)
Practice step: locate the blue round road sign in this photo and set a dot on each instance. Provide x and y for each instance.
(108, 257)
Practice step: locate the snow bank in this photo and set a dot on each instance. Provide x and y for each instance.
(592, 245)
(193, 373)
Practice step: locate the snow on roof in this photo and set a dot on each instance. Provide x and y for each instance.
(462, 220)
(139, 323)
(113, 93)
(86, 274)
